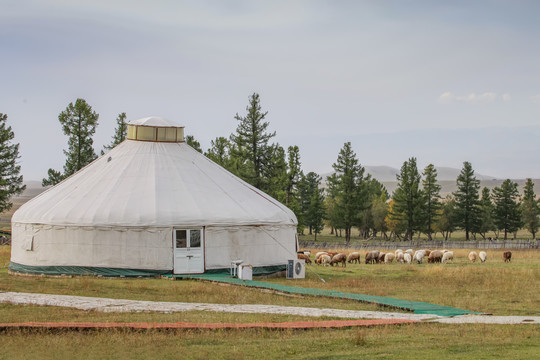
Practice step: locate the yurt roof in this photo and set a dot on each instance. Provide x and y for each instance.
(146, 183)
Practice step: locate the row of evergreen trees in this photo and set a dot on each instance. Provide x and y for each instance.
(349, 199)
(416, 208)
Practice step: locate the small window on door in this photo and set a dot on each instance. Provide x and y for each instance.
(181, 239)
(194, 238)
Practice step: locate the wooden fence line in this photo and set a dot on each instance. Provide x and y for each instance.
(435, 244)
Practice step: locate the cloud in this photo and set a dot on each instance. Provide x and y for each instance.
(535, 99)
(473, 98)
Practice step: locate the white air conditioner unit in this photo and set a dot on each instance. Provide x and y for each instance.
(296, 269)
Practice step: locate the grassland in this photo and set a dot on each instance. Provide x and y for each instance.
(493, 287)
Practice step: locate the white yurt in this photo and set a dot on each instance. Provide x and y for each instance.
(152, 205)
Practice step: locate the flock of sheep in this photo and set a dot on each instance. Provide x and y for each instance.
(409, 256)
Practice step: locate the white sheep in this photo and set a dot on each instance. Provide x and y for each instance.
(400, 256)
(388, 258)
(482, 255)
(407, 258)
(448, 256)
(409, 251)
(325, 260)
(472, 256)
(419, 255)
(319, 254)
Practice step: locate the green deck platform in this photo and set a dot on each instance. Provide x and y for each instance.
(414, 306)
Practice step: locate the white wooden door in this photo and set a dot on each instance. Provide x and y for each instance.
(188, 251)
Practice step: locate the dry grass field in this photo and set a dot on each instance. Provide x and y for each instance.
(493, 287)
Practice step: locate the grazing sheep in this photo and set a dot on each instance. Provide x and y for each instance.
(354, 256)
(388, 258)
(381, 257)
(372, 257)
(304, 257)
(483, 256)
(419, 255)
(339, 258)
(448, 256)
(443, 251)
(427, 252)
(325, 260)
(472, 256)
(507, 256)
(317, 255)
(435, 256)
(400, 257)
(397, 251)
(409, 251)
(407, 258)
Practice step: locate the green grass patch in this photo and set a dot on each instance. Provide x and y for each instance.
(382, 342)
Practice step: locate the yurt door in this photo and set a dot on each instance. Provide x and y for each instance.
(188, 251)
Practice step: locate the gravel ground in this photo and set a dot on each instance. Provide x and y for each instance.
(120, 305)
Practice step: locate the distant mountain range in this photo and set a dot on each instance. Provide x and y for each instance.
(446, 176)
(387, 173)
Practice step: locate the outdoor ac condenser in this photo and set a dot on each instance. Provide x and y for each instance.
(296, 269)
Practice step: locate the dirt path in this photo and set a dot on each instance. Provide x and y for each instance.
(122, 305)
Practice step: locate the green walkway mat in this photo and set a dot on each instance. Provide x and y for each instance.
(415, 306)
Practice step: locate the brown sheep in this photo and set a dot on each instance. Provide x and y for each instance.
(354, 256)
(339, 258)
(372, 257)
(507, 255)
(380, 260)
(304, 257)
(435, 256)
(427, 252)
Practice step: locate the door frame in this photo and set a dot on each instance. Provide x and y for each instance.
(203, 245)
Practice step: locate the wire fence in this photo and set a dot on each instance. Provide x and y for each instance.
(434, 244)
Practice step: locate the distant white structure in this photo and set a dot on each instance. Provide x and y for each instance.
(152, 205)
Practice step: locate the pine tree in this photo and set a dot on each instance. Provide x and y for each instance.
(312, 203)
(379, 211)
(307, 186)
(11, 182)
(252, 144)
(374, 191)
(275, 175)
(348, 189)
(486, 213)
(120, 133)
(219, 152)
(408, 199)
(79, 122)
(446, 222)
(431, 192)
(507, 212)
(530, 209)
(294, 174)
(467, 211)
(190, 140)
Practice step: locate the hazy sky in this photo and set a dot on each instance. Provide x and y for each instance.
(445, 82)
